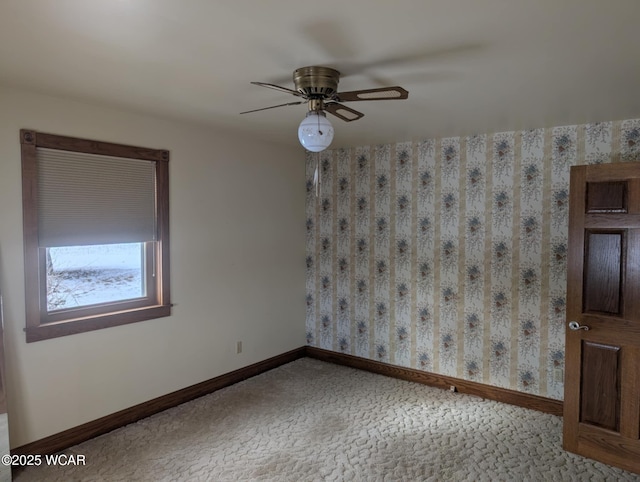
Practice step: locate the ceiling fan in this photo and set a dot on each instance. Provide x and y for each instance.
(318, 87)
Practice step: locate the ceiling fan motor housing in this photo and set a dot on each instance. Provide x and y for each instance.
(316, 82)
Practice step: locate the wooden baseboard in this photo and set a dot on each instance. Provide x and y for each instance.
(73, 436)
(68, 438)
(512, 397)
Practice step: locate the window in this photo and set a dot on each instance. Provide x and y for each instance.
(96, 234)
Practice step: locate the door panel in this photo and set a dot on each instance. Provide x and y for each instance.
(602, 372)
(606, 197)
(602, 291)
(600, 391)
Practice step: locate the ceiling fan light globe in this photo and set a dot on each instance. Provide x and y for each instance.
(315, 132)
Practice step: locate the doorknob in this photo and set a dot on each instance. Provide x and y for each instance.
(575, 326)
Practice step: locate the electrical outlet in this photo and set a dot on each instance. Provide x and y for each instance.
(239, 347)
(558, 375)
(452, 388)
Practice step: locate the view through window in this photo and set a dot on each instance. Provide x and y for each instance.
(88, 275)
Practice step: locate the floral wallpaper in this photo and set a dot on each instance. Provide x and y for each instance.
(449, 255)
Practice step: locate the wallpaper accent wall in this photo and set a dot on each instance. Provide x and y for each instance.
(449, 255)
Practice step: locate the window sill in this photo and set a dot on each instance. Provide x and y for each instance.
(97, 322)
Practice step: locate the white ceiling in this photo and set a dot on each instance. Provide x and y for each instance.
(470, 66)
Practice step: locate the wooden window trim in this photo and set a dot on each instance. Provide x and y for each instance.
(41, 327)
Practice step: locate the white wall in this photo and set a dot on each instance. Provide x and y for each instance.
(237, 271)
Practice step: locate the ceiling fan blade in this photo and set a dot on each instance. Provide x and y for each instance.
(343, 112)
(274, 106)
(383, 93)
(277, 87)
(332, 36)
(419, 57)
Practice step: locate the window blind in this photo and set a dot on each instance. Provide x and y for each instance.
(86, 199)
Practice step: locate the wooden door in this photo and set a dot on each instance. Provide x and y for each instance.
(602, 371)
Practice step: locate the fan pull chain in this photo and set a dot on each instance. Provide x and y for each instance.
(316, 175)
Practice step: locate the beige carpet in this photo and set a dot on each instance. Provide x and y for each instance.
(314, 421)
